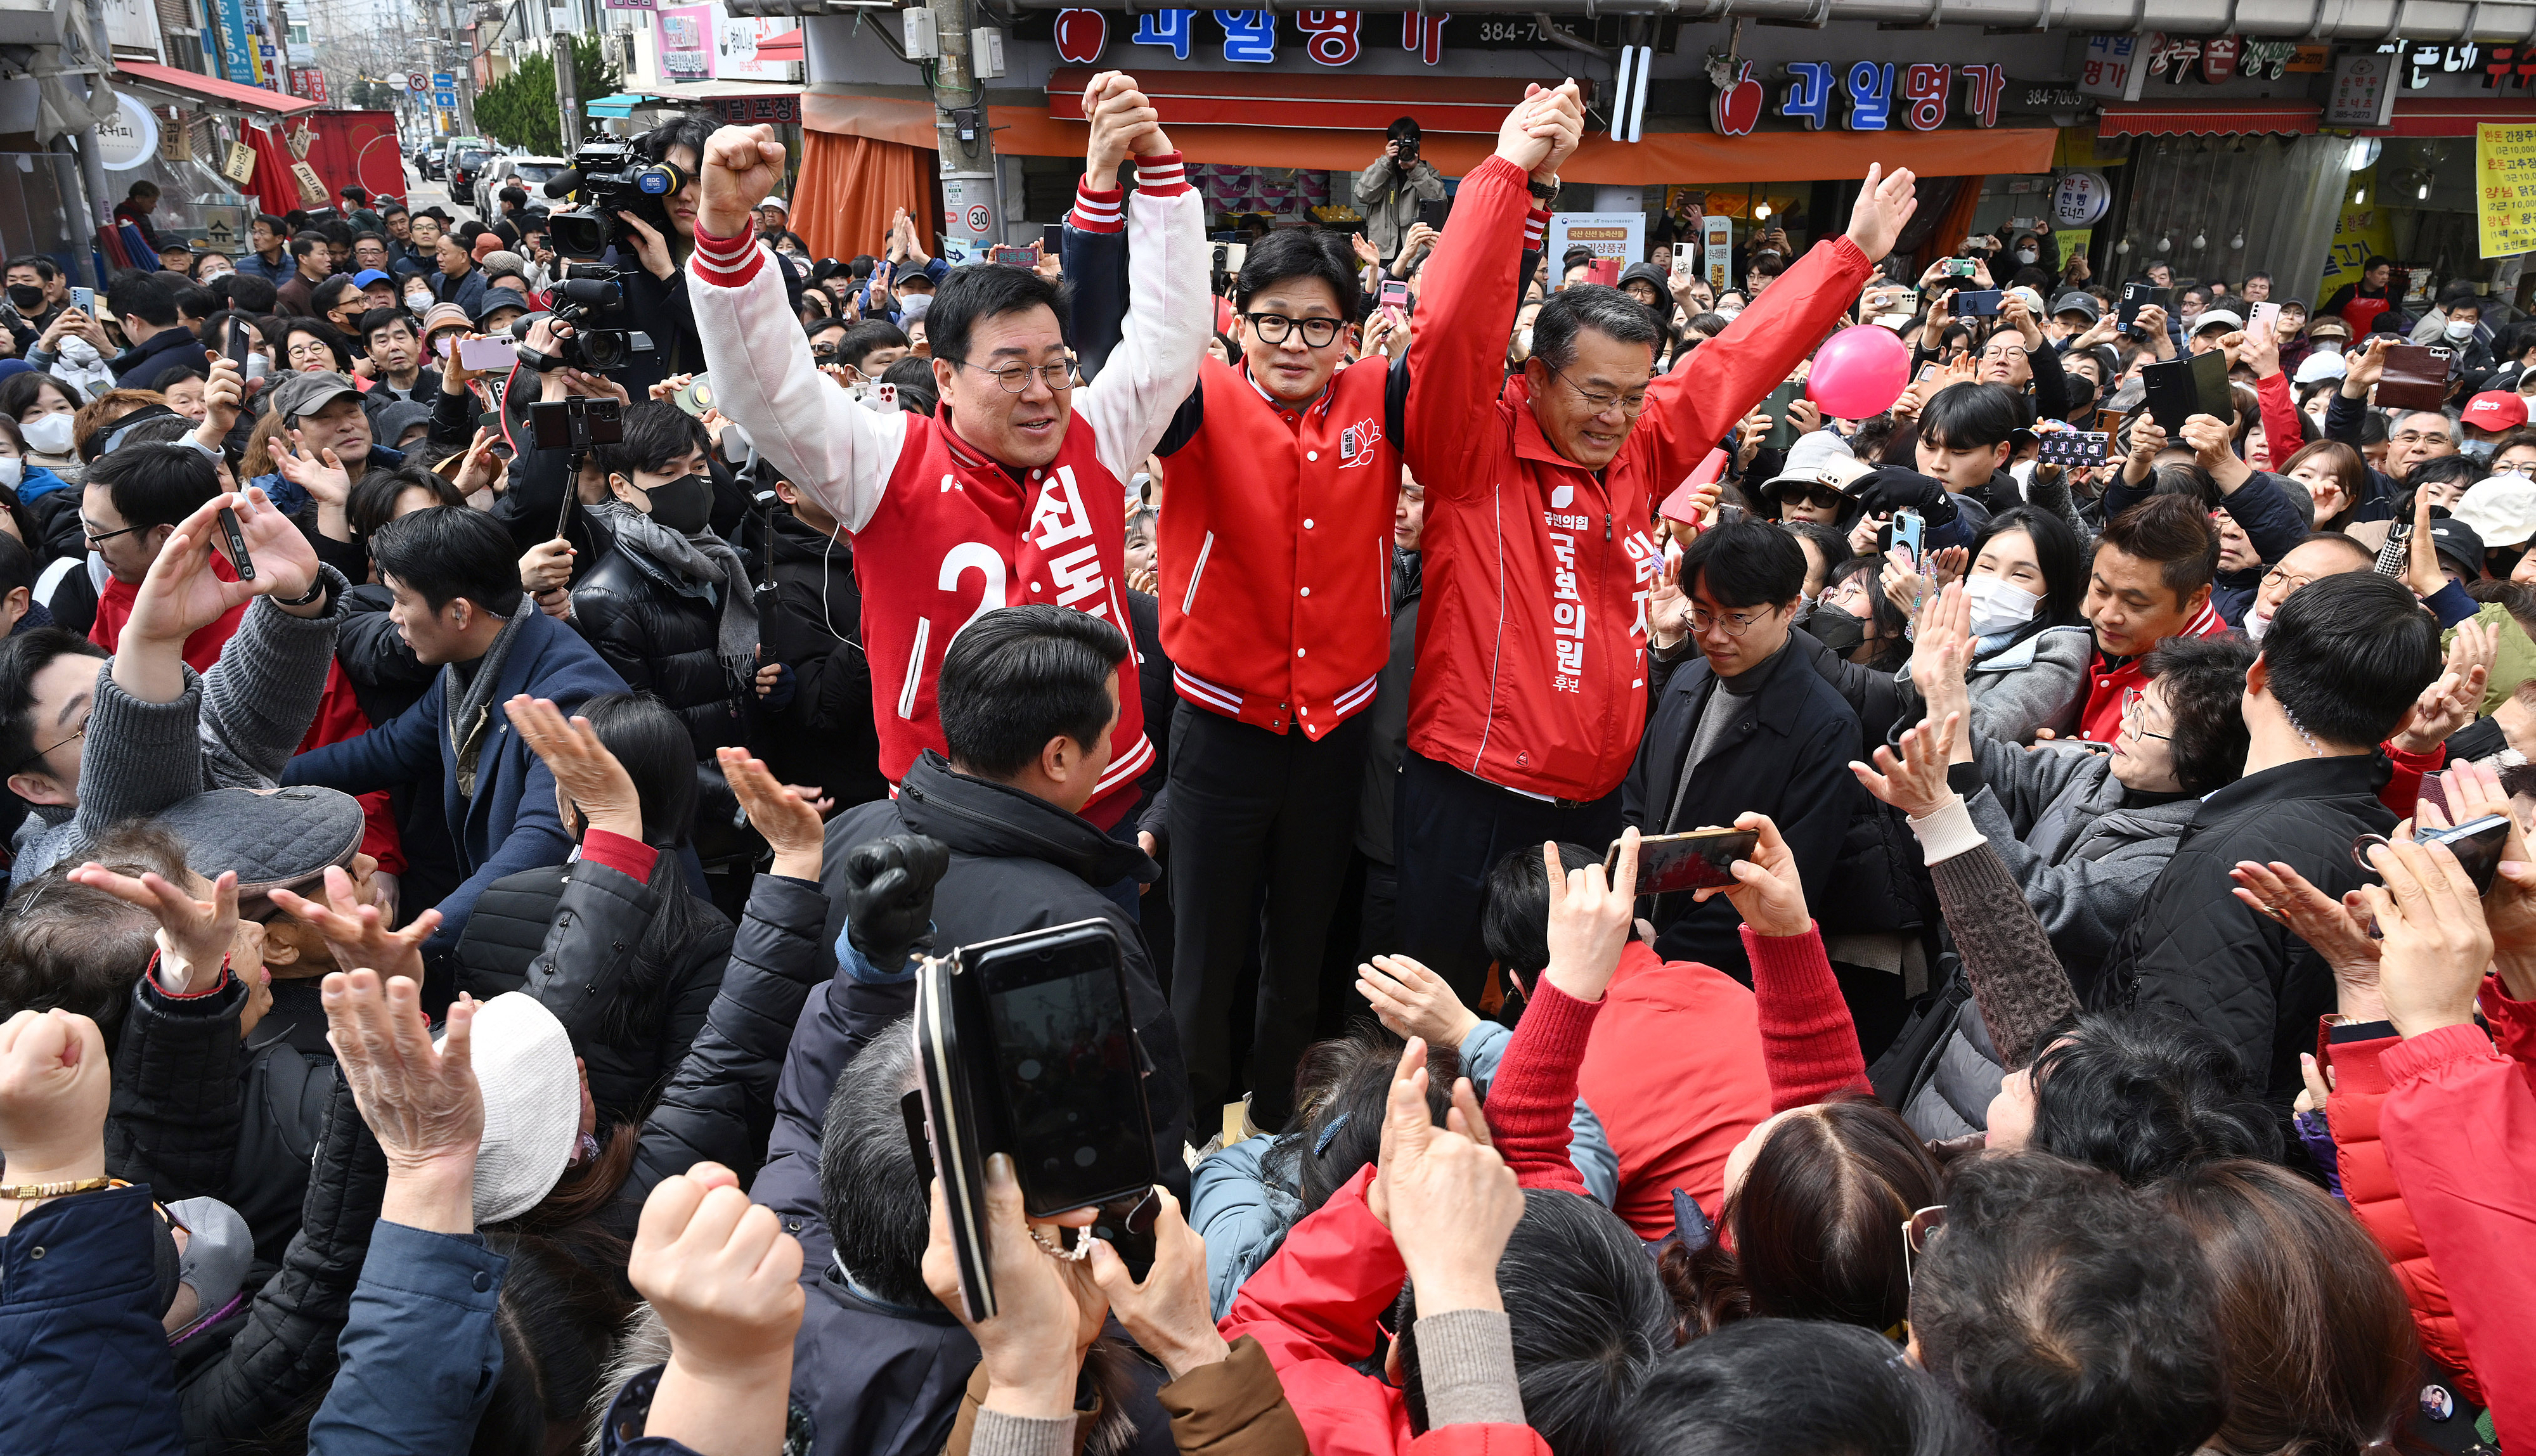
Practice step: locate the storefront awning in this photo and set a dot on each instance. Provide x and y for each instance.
(192, 86)
(616, 107)
(2452, 119)
(2186, 118)
(785, 47)
(1329, 101)
(1660, 157)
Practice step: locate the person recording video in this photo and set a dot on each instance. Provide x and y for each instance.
(1391, 189)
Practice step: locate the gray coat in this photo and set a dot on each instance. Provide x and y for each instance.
(2055, 817)
(2023, 688)
(231, 727)
(1390, 201)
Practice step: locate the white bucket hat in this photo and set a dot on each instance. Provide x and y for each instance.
(524, 1063)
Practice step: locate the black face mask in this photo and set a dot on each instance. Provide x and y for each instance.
(684, 505)
(1836, 629)
(26, 298)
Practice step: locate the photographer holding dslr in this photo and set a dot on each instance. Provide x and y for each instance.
(1391, 189)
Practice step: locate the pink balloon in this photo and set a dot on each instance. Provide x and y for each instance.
(1859, 372)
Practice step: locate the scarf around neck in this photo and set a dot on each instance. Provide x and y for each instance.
(698, 565)
(471, 707)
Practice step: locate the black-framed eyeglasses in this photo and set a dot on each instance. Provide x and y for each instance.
(1272, 328)
(1918, 1232)
(2135, 715)
(1016, 378)
(97, 538)
(1732, 624)
(1602, 400)
(39, 754)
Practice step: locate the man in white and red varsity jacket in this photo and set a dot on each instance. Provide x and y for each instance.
(1530, 692)
(1014, 492)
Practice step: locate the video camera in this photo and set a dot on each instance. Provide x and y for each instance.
(608, 177)
(585, 292)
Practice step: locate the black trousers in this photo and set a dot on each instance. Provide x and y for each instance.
(1257, 820)
(1449, 833)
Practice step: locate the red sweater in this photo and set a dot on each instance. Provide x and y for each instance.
(1807, 1043)
(2459, 1127)
(1674, 1070)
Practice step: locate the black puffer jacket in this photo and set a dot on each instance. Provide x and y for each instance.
(593, 921)
(239, 1377)
(815, 626)
(2197, 952)
(194, 1113)
(668, 644)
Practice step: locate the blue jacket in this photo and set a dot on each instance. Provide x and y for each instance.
(510, 824)
(420, 1353)
(276, 272)
(84, 1364)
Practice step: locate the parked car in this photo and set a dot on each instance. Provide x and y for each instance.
(464, 159)
(529, 173)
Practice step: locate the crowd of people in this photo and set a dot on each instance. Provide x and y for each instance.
(485, 814)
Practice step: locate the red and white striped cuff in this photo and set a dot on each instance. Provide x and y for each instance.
(1099, 212)
(1535, 227)
(725, 262)
(1161, 174)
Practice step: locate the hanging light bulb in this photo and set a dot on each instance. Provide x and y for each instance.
(2360, 197)
(2199, 242)
(2125, 246)
(2422, 191)
(1761, 214)
(2237, 242)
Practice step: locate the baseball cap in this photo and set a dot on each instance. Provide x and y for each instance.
(2501, 509)
(2318, 368)
(370, 275)
(2217, 318)
(2458, 543)
(297, 395)
(522, 1057)
(777, 204)
(2494, 409)
(1806, 459)
(2078, 303)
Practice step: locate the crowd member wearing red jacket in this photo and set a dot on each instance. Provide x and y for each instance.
(2459, 1119)
(1530, 691)
(1014, 492)
(1581, 1296)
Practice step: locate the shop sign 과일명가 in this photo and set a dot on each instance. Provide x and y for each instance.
(2505, 174)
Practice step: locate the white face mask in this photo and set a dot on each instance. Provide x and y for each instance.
(912, 306)
(212, 275)
(258, 366)
(2460, 330)
(1523, 341)
(13, 471)
(1997, 606)
(419, 300)
(48, 434)
(2026, 255)
(2256, 624)
(1730, 315)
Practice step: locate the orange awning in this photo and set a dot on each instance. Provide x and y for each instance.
(2181, 118)
(211, 88)
(1661, 157)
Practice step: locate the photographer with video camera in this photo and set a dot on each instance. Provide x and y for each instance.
(624, 244)
(1391, 189)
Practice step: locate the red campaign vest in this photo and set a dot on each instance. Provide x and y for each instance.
(955, 536)
(1275, 552)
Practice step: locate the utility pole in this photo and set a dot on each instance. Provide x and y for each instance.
(92, 166)
(969, 182)
(567, 92)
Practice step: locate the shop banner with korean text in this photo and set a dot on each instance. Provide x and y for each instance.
(2505, 172)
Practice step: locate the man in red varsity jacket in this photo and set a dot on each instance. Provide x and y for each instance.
(1013, 493)
(1530, 691)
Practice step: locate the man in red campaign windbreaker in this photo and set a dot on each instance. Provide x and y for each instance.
(1013, 492)
(1531, 680)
